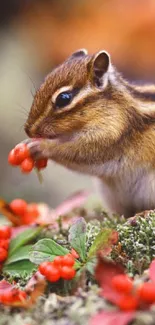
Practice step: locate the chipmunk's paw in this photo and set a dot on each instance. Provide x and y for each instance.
(37, 148)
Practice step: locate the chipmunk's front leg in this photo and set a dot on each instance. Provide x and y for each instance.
(71, 154)
(61, 152)
(40, 148)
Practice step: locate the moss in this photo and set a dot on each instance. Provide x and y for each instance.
(137, 240)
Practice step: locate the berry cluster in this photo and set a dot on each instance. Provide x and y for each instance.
(5, 234)
(27, 212)
(20, 156)
(132, 297)
(12, 296)
(60, 267)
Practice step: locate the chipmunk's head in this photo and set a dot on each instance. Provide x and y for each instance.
(74, 98)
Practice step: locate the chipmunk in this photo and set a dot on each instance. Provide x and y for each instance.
(86, 117)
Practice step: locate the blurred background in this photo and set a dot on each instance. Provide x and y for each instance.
(37, 35)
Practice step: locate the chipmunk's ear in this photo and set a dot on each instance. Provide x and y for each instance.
(99, 66)
(78, 53)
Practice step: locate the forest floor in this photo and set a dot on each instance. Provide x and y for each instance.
(109, 278)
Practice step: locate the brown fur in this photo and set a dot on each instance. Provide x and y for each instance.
(104, 125)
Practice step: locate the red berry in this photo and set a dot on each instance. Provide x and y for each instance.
(43, 267)
(27, 165)
(27, 219)
(3, 254)
(18, 206)
(67, 273)
(41, 163)
(128, 303)
(146, 292)
(13, 159)
(74, 253)
(32, 209)
(58, 261)
(52, 272)
(4, 243)
(5, 232)
(68, 260)
(31, 214)
(122, 283)
(21, 152)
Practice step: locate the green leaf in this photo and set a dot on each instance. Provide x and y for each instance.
(90, 265)
(46, 250)
(21, 254)
(103, 242)
(19, 269)
(77, 237)
(23, 238)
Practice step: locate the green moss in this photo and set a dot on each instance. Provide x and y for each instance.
(137, 238)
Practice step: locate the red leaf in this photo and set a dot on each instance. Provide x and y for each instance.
(73, 202)
(112, 318)
(33, 281)
(15, 294)
(49, 216)
(152, 271)
(104, 273)
(35, 288)
(4, 285)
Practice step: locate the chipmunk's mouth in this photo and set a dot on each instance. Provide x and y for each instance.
(40, 134)
(43, 134)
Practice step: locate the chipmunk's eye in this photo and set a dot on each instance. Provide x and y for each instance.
(63, 99)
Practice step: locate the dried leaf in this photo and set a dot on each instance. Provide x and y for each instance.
(35, 288)
(6, 211)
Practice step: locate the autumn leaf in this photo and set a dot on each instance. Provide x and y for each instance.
(112, 318)
(105, 271)
(73, 202)
(7, 212)
(152, 271)
(35, 288)
(103, 242)
(6, 290)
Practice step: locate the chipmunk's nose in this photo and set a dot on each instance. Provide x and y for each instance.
(31, 134)
(27, 130)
